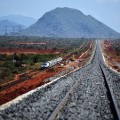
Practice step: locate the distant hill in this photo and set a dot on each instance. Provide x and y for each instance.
(26, 21)
(68, 22)
(7, 27)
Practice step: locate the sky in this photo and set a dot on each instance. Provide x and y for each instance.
(106, 11)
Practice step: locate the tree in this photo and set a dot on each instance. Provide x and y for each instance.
(15, 57)
(35, 58)
(54, 49)
(22, 58)
(17, 60)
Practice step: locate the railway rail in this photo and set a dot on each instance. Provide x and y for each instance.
(88, 93)
(57, 114)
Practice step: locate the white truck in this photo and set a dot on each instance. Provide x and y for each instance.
(51, 63)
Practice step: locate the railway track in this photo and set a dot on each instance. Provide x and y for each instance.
(68, 106)
(83, 94)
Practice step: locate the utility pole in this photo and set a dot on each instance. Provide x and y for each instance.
(13, 29)
(6, 30)
(19, 29)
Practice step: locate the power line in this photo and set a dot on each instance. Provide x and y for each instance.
(11, 29)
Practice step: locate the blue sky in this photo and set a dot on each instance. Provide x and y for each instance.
(106, 11)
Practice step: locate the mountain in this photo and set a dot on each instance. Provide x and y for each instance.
(26, 21)
(68, 22)
(7, 27)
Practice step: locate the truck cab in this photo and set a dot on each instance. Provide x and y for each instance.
(45, 65)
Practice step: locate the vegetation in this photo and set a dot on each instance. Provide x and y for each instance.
(52, 43)
(10, 65)
(116, 46)
(16, 64)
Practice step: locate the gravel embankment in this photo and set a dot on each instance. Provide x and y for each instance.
(89, 100)
(41, 103)
(114, 82)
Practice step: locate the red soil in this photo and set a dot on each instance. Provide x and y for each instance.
(29, 43)
(111, 55)
(16, 90)
(36, 79)
(30, 51)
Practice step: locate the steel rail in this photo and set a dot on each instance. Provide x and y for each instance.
(115, 109)
(70, 92)
(64, 100)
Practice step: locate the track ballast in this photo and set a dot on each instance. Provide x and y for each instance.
(80, 95)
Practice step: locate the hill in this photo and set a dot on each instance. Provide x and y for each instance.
(7, 27)
(68, 22)
(26, 21)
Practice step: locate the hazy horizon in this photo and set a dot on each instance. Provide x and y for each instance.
(106, 11)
